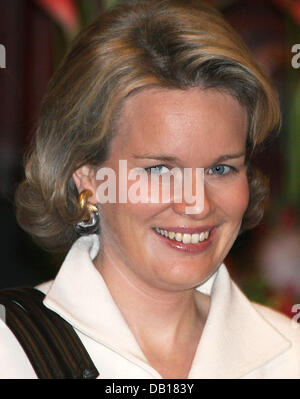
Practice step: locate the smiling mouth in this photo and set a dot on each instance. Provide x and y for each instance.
(185, 238)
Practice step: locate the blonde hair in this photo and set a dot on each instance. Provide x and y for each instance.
(166, 43)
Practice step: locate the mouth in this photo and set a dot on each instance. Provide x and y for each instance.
(187, 239)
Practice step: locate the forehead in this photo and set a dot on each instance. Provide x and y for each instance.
(182, 121)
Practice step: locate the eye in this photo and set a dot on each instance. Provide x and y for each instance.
(157, 169)
(221, 170)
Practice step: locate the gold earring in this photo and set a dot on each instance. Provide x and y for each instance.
(83, 203)
(90, 221)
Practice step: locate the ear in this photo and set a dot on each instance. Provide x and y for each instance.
(85, 179)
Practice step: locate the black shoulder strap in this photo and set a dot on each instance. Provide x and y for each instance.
(51, 344)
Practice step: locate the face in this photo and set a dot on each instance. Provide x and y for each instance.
(163, 129)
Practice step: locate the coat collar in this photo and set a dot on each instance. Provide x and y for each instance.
(80, 295)
(236, 339)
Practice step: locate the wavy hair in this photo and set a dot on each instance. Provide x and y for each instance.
(166, 43)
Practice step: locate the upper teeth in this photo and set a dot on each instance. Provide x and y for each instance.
(185, 237)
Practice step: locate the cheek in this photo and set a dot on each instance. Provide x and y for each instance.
(232, 197)
(126, 220)
(132, 204)
(239, 197)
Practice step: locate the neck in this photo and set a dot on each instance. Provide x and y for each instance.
(148, 309)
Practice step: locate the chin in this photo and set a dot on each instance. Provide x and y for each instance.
(185, 275)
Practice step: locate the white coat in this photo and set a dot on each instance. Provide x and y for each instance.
(240, 339)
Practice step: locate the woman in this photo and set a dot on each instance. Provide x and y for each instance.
(160, 85)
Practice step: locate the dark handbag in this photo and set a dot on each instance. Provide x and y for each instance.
(51, 344)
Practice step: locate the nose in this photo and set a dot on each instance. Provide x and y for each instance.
(201, 208)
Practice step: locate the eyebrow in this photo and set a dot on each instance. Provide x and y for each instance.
(168, 158)
(160, 157)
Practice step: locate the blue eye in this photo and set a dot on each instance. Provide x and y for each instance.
(157, 169)
(221, 170)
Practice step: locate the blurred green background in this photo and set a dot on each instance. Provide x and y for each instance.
(265, 261)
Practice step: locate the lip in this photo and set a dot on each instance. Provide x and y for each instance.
(189, 248)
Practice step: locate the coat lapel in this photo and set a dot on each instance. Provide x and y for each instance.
(80, 295)
(236, 339)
